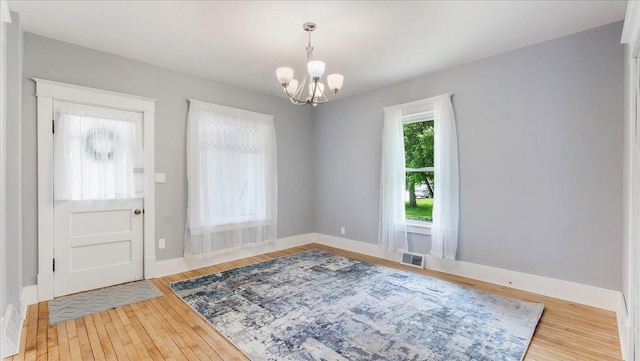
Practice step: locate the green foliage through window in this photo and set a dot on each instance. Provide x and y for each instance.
(418, 149)
(422, 211)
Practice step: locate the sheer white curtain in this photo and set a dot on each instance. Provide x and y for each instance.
(232, 175)
(98, 155)
(444, 230)
(392, 234)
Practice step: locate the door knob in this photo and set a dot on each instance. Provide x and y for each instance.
(137, 211)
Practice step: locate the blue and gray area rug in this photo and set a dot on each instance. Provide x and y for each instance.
(316, 305)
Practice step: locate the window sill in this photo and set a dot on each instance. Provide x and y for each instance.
(418, 227)
(231, 224)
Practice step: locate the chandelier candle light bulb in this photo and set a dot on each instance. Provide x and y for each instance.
(311, 80)
(319, 89)
(284, 75)
(334, 81)
(316, 69)
(293, 87)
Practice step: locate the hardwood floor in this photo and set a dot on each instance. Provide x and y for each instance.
(165, 328)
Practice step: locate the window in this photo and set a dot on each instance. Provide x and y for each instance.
(418, 134)
(97, 153)
(427, 128)
(231, 157)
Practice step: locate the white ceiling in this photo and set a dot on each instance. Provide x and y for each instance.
(372, 43)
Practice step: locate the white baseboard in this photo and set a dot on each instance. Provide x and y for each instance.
(565, 290)
(28, 296)
(346, 244)
(178, 265)
(624, 327)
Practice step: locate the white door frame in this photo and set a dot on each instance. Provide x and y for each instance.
(631, 37)
(5, 18)
(47, 92)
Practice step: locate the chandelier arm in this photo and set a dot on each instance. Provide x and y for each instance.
(303, 85)
(296, 101)
(333, 95)
(320, 99)
(293, 99)
(313, 97)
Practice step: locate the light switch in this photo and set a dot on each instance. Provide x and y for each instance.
(161, 177)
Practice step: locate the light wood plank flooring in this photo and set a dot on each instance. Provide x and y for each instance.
(165, 328)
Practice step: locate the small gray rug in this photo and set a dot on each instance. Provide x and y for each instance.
(316, 305)
(71, 307)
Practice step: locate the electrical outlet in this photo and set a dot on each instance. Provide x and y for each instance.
(161, 243)
(160, 177)
(343, 231)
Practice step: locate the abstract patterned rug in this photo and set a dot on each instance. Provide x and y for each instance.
(316, 305)
(87, 303)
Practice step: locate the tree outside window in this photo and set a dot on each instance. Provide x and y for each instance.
(418, 147)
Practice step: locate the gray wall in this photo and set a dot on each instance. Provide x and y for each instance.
(14, 111)
(540, 143)
(54, 60)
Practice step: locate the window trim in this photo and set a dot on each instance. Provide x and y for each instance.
(427, 116)
(418, 227)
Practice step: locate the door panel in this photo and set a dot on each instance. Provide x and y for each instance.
(82, 258)
(98, 244)
(112, 221)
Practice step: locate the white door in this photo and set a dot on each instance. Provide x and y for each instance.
(98, 233)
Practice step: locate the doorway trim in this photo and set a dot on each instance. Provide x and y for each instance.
(629, 313)
(47, 92)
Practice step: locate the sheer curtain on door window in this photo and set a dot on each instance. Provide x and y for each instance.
(98, 154)
(232, 176)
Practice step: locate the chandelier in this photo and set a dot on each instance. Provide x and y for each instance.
(311, 89)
